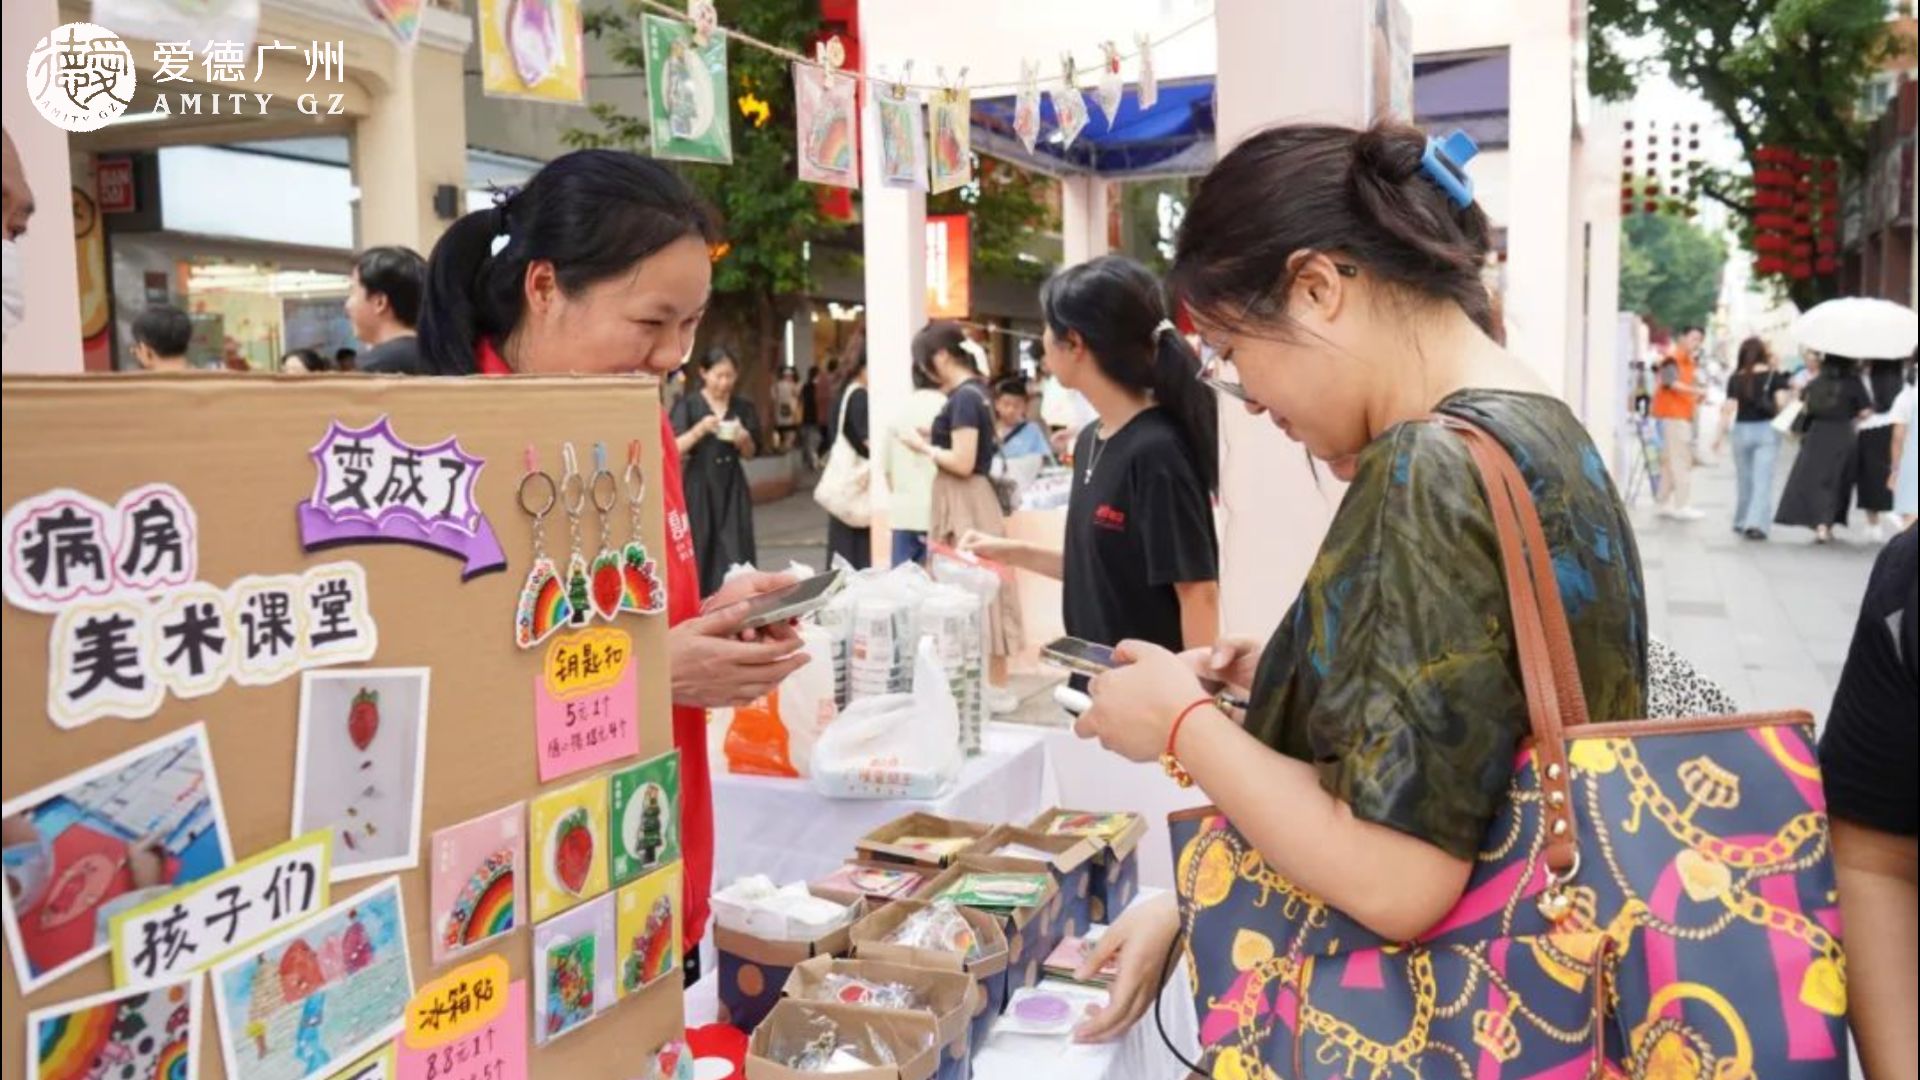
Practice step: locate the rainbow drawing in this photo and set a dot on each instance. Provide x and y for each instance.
(71, 1045)
(642, 592)
(544, 606)
(174, 1063)
(485, 907)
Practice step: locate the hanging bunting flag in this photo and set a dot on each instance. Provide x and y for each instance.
(531, 49)
(824, 110)
(951, 132)
(903, 132)
(687, 92)
(1148, 90)
(400, 17)
(1112, 90)
(1069, 105)
(1026, 105)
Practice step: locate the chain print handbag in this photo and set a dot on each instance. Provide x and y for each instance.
(1656, 899)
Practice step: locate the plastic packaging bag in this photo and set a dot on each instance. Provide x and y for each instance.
(939, 927)
(896, 746)
(775, 735)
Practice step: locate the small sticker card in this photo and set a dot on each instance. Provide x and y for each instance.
(903, 134)
(567, 846)
(374, 486)
(493, 1049)
(585, 702)
(649, 928)
(478, 881)
(320, 995)
(645, 816)
(573, 962)
(150, 1032)
(877, 882)
(361, 766)
(1065, 960)
(998, 890)
(1095, 826)
(687, 92)
(110, 838)
(950, 129)
(824, 106)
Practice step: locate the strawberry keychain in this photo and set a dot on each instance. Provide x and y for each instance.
(605, 575)
(544, 606)
(573, 498)
(642, 592)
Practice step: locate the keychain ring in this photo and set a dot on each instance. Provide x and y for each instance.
(573, 493)
(528, 484)
(637, 484)
(610, 488)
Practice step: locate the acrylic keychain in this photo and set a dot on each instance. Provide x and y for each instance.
(573, 499)
(644, 593)
(544, 606)
(606, 580)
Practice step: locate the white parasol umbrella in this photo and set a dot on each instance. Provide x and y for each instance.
(1859, 327)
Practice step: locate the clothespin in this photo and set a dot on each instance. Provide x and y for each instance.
(704, 18)
(830, 54)
(1068, 73)
(1112, 53)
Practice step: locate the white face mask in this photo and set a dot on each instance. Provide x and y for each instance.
(13, 287)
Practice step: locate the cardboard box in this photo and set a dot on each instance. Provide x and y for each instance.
(1072, 863)
(1116, 875)
(989, 969)
(753, 969)
(880, 844)
(910, 1040)
(1029, 939)
(846, 894)
(950, 997)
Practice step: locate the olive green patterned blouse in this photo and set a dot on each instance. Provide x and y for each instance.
(1395, 671)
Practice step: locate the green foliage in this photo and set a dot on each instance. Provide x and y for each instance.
(1779, 72)
(1670, 270)
(1006, 206)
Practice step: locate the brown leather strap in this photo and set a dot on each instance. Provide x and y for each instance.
(1540, 632)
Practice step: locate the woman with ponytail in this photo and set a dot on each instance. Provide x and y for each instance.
(600, 266)
(1141, 561)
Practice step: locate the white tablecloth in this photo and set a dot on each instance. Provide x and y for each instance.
(789, 832)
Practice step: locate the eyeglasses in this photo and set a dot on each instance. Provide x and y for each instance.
(1215, 365)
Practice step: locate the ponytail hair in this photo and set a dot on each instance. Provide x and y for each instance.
(1326, 188)
(1116, 307)
(940, 336)
(594, 214)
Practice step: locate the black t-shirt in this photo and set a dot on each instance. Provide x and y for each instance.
(1752, 393)
(394, 356)
(1873, 731)
(967, 407)
(1138, 523)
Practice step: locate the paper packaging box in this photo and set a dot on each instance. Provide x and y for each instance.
(879, 844)
(989, 969)
(911, 1039)
(950, 997)
(1032, 932)
(1072, 866)
(1116, 874)
(841, 892)
(753, 969)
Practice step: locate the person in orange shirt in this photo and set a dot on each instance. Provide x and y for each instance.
(1675, 403)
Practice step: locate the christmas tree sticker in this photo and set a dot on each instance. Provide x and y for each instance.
(646, 817)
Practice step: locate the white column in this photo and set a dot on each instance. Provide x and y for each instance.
(1083, 218)
(1600, 404)
(48, 340)
(1539, 263)
(894, 222)
(413, 139)
(1279, 60)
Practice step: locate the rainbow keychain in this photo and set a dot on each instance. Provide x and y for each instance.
(573, 499)
(643, 592)
(605, 577)
(544, 607)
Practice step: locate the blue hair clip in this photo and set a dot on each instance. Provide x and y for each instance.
(1445, 163)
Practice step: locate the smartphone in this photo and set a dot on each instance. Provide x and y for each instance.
(800, 598)
(1079, 657)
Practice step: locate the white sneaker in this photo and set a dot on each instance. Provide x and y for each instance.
(1688, 513)
(1663, 512)
(1002, 702)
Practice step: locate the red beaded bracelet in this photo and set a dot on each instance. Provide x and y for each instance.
(1168, 759)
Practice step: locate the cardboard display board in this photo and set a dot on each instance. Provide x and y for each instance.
(237, 449)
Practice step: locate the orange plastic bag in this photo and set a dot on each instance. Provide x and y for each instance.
(756, 743)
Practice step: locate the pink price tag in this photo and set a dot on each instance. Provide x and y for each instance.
(585, 703)
(497, 1050)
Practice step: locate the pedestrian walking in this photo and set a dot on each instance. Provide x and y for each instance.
(786, 411)
(1756, 393)
(1820, 488)
(1676, 403)
(717, 431)
(1884, 380)
(1905, 474)
(910, 475)
(849, 422)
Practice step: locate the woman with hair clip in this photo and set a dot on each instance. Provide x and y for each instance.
(961, 445)
(600, 266)
(1141, 561)
(716, 431)
(1334, 276)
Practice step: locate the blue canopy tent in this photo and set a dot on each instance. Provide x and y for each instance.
(1174, 138)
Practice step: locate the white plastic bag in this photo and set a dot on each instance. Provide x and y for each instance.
(895, 746)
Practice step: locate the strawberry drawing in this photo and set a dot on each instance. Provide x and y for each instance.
(607, 585)
(573, 852)
(363, 718)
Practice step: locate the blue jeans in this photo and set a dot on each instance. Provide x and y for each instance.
(909, 547)
(1755, 445)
